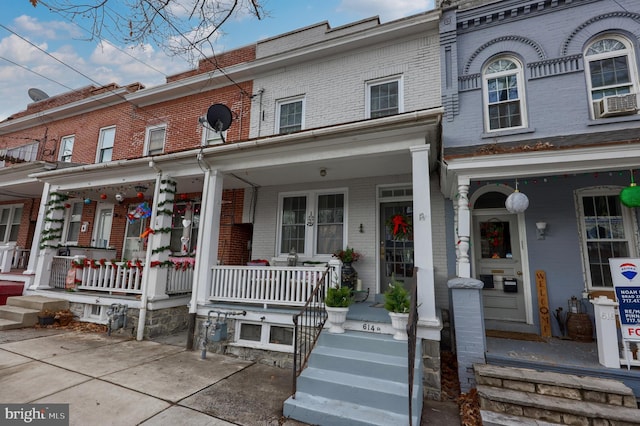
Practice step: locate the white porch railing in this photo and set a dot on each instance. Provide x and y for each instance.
(268, 285)
(179, 280)
(59, 268)
(110, 277)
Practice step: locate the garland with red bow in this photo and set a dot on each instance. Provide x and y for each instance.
(400, 226)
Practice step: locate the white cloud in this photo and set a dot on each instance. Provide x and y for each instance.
(52, 30)
(387, 10)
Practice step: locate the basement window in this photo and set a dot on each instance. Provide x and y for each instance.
(265, 336)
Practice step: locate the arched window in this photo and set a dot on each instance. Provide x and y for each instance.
(610, 70)
(504, 95)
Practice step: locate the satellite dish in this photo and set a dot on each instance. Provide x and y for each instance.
(37, 94)
(219, 117)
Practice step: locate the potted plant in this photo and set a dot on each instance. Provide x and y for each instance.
(349, 274)
(46, 317)
(337, 304)
(398, 302)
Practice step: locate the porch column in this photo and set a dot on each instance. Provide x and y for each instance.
(463, 266)
(41, 259)
(423, 247)
(468, 320)
(161, 219)
(208, 234)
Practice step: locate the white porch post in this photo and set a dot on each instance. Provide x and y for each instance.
(463, 265)
(40, 260)
(423, 246)
(208, 234)
(157, 277)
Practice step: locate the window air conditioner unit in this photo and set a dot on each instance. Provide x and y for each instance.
(610, 106)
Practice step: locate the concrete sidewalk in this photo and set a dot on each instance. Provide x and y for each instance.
(119, 381)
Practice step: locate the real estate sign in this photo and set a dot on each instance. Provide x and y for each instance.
(625, 273)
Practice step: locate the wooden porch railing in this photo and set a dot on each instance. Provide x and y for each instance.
(179, 281)
(267, 285)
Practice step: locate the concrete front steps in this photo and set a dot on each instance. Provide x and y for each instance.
(22, 311)
(358, 379)
(522, 396)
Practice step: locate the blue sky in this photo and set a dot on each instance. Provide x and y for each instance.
(23, 66)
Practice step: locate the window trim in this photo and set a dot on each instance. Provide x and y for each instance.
(265, 329)
(311, 232)
(147, 138)
(219, 138)
(520, 80)
(629, 223)
(294, 99)
(371, 83)
(63, 141)
(629, 52)
(10, 221)
(101, 149)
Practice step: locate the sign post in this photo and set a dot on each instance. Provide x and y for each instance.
(625, 273)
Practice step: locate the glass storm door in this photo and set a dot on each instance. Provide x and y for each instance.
(396, 252)
(133, 244)
(104, 218)
(498, 264)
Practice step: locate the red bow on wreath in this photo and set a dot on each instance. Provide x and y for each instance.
(399, 223)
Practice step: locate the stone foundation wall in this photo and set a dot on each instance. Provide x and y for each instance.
(431, 371)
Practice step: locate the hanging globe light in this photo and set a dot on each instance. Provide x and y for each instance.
(517, 202)
(630, 196)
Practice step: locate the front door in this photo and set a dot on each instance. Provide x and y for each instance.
(396, 251)
(498, 264)
(102, 231)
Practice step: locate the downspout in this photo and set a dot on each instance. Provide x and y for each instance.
(142, 316)
(193, 303)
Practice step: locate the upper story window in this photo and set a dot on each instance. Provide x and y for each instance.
(504, 95)
(154, 139)
(289, 115)
(66, 148)
(606, 230)
(210, 136)
(611, 76)
(384, 97)
(105, 144)
(312, 223)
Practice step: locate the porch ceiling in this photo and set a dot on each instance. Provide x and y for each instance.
(15, 182)
(535, 163)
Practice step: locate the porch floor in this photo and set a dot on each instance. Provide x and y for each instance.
(558, 355)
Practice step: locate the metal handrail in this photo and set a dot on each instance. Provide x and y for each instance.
(308, 324)
(412, 327)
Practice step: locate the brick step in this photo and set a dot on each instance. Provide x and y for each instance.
(553, 409)
(590, 389)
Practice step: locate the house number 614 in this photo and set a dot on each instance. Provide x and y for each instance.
(371, 327)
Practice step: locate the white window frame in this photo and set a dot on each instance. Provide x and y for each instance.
(147, 139)
(519, 73)
(101, 148)
(11, 221)
(629, 52)
(265, 330)
(629, 225)
(311, 234)
(282, 102)
(69, 217)
(210, 136)
(373, 83)
(66, 158)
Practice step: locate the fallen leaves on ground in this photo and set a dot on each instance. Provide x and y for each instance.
(86, 327)
(469, 403)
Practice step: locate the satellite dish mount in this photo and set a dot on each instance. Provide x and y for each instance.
(219, 118)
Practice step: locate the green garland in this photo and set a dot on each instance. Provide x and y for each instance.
(162, 203)
(53, 233)
(166, 230)
(160, 249)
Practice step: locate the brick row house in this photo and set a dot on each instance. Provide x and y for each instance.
(135, 200)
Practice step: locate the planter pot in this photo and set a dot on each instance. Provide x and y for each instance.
(399, 323)
(336, 318)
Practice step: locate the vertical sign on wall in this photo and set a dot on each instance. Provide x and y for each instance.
(626, 283)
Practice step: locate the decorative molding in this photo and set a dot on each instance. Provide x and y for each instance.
(509, 38)
(469, 82)
(450, 103)
(557, 66)
(626, 14)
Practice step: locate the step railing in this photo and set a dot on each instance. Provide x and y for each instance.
(266, 285)
(307, 325)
